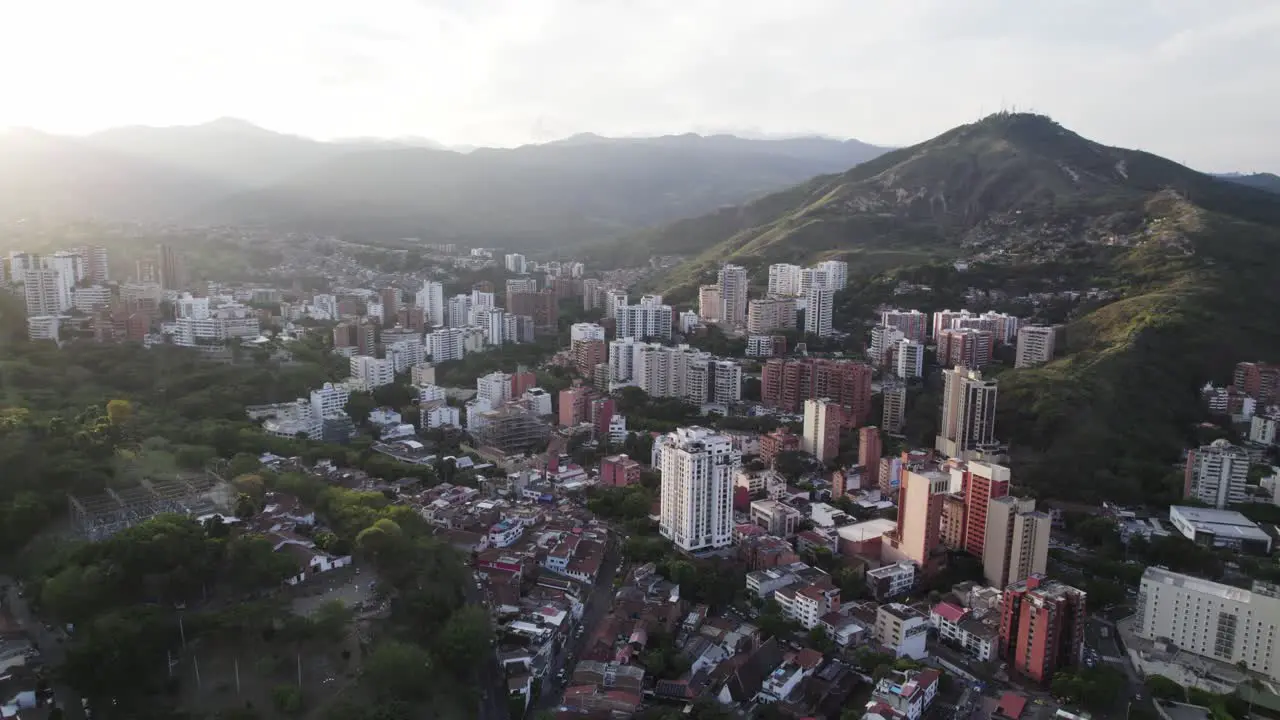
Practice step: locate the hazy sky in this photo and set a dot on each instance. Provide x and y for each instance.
(1194, 80)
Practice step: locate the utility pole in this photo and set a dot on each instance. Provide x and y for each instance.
(299, 671)
(196, 660)
(237, 661)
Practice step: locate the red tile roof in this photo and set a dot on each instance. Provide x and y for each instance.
(950, 612)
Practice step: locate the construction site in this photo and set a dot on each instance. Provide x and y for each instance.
(97, 517)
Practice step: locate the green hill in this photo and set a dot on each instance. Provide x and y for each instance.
(1189, 263)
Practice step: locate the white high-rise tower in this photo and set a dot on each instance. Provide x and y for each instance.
(698, 467)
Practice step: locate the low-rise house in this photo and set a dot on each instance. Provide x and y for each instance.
(892, 580)
(903, 695)
(966, 629)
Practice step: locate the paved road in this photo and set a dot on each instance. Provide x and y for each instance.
(598, 604)
(51, 651)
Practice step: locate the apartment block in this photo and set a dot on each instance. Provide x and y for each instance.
(870, 449)
(619, 471)
(1258, 380)
(698, 468)
(1016, 542)
(902, 629)
(784, 279)
(778, 441)
(818, 312)
(894, 408)
(981, 483)
(1216, 474)
(822, 422)
(968, 413)
(786, 384)
(908, 359)
(709, 305)
(916, 537)
(1221, 622)
(1042, 624)
(1035, 345)
(769, 314)
(966, 347)
(913, 324)
(733, 295)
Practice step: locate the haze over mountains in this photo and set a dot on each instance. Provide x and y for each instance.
(231, 172)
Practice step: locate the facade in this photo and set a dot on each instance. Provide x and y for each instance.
(913, 324)
(43, 292)
(769, 314)
(890, 581)
(837, 273)
(619, 471)
(904, 695)
(966, 347)
(894, 410)
(648, 319)
(446, 344)
(822, 422)
(733, 295)
(963, 628)
(776, 518)
(908, 359)
(786, 384)
(1216, 474)
(869, 451)
(698, 468)
(431, 299)
(916, 537)
(784, 279)
(1205, 618)
(709, 305)
(1264, 429)
(1016, 542)
(884, 343)
(981, 484)
(1042, 626)
(494, 388)
(778, 441)
(819, 306)
(586, 331)
(1035, 345)
(1258, 380)
(370, 372)
(968, 413)
(902, 629)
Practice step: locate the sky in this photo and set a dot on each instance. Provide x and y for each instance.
(1196, 81)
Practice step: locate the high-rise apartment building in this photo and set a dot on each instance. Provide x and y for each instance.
(733, 295)
(916, 537)
(869, 451)
(390, 299)
(586, 331)
(515, 262)
(1258, 380)
(1016, 543)
(819, 305)
(587, 354)
(894, 411)
(913, 323)
(884, 341)
(1227, 624)
(968, 413)
(1035, 345)
(43, 292)
(446, 344)
(648, 319)
(981, 483)
(768, 314)
(431, 299)
(371, 372)
(784, 279)
(965, 346)
(908, 359)
(710, 308)
(96, 267)
(786, 384)
(458, 311)
(1042, 626)
(822, 423)
(837, 273)
(494, 388)
(697, 467)
(1216, 474)
(170, 268)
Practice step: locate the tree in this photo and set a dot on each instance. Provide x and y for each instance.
(398, 670)
(287, 699)
(1166, 689)
(119, 412)
(253, 563)
(331, 619)
(465, 640)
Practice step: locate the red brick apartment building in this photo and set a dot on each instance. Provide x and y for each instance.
(786, 384)
(1042, 625)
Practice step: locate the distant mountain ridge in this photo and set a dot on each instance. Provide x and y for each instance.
(232, 172)
(1263, 181)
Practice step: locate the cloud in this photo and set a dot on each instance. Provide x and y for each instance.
(1191, 80)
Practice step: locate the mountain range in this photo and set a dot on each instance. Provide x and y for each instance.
(232, 172)
(1186, 267)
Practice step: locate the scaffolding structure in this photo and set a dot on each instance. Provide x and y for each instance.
(97, 517)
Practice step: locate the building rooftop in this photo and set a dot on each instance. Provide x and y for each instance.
(1219, 522)
(1195, 584)
(869, 530)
